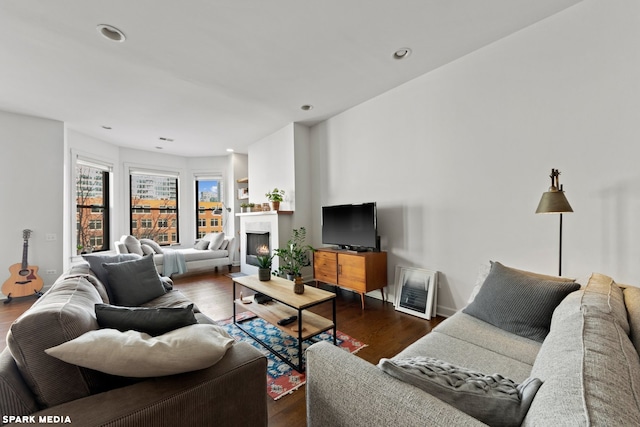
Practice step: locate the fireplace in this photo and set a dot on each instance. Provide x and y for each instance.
(257, 244)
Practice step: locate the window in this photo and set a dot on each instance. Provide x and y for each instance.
(154, 207)
(209, 206)
(92, 206)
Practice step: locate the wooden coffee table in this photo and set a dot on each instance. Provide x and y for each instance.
(286, 303)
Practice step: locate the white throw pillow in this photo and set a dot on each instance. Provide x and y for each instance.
(216, 240)
(153, 244)
(133, 245)
(136, 354)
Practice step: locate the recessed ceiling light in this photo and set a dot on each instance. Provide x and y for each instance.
(307, 107)
(111, 33)
(162, 138)
(106, 127)
(402, 53)
(230, 150)
(158, 147)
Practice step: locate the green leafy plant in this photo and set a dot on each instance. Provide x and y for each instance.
(275, 195)
(264, 261)
(295, 254)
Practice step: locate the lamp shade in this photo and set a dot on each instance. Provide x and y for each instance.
(554, 201)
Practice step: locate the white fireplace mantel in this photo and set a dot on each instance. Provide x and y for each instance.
(277, 223)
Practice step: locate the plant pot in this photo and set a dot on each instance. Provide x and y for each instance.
(264, 274)
(298, 286)
(275, 206)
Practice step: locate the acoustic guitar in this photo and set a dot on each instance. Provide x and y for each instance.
(24, 278)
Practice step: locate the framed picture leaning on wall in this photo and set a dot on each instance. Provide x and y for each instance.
(416, 291)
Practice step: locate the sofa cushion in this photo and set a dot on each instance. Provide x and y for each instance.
(589, 368)
(475, 331)
(134, 282)
(518, 302)
(132, 244)
(492, 399)
(632, 303)
(63, 313)
(95, 263)
(136, 354)
(153, 321)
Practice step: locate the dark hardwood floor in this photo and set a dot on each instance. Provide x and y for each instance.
(383, 329)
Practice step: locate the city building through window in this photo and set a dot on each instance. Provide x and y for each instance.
(92, 207)
(209, 206)
(154, 207)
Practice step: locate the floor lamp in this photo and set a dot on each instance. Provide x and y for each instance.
(555, 202)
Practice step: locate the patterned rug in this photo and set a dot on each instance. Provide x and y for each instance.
(281, 378)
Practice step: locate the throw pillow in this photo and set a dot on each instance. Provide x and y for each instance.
(135, 282)
(133, 245)
(216, 241)
(153, 244)
(150, 320)
(95, 263)
(632, 302)
(517, 302)
(492, 399)
(136, 354)
(201, 245)
(147, 250)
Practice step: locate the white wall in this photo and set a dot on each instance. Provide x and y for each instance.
(272, 164)
(458, 158)
(31, 192)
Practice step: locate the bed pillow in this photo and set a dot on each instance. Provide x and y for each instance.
(132, 283)
(518, 302)
(492, 399)
(150, 320)
(139, 355)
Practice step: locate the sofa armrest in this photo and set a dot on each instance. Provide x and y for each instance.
(345, 390)
(232, 248)
(233, 392)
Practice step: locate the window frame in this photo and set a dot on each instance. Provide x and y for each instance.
(102, 210)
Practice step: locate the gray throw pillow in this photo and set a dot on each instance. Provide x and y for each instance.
(135, 282)
(95, 264)
(518, 302)
(492, 399)
(150, 320)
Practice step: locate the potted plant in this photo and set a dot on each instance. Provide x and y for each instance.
(244, 207)
(264, 267)
(251, 206)
(293, 256)
(275, 196)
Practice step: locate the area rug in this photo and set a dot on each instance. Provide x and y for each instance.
(281, 378)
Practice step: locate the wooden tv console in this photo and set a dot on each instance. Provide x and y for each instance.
(361, 272)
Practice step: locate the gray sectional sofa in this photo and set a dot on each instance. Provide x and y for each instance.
(588, 366)
(231, 392)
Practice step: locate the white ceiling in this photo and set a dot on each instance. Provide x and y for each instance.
(213, 74)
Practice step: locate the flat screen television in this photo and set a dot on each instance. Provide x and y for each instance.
(350, 226)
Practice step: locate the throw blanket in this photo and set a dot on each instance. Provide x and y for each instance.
(173, 262)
